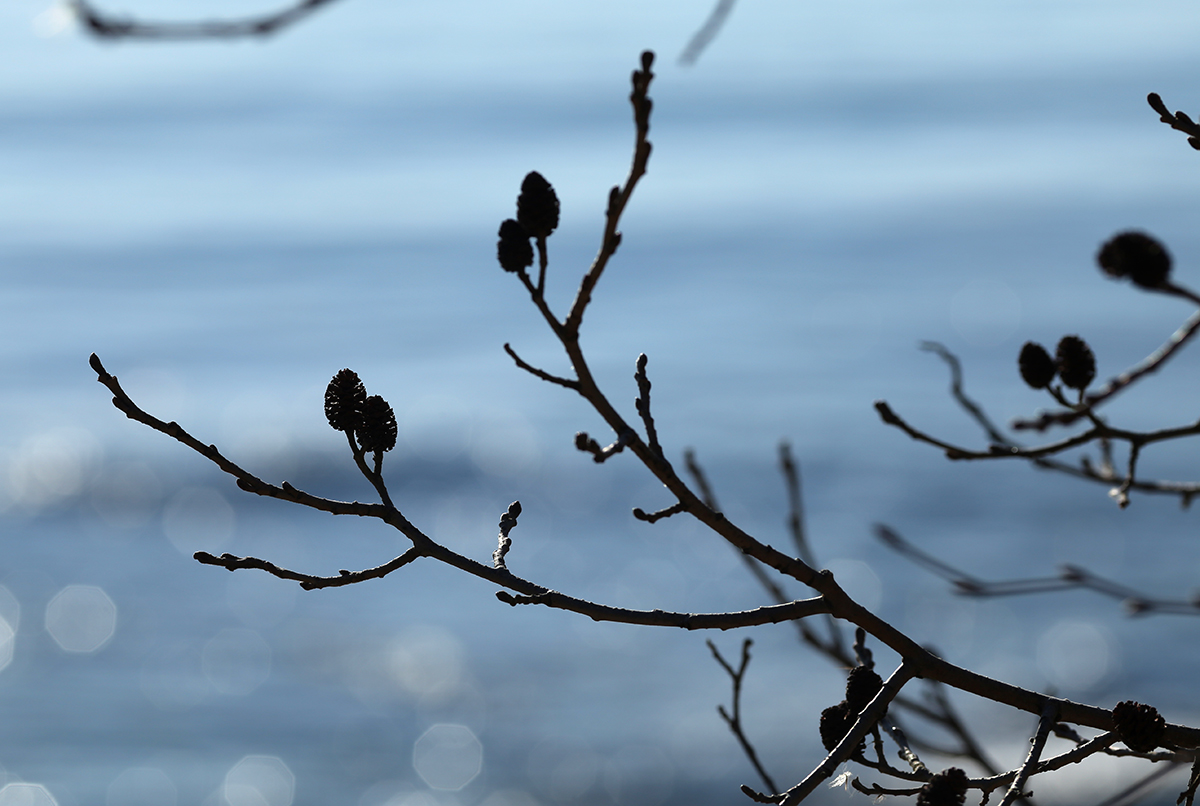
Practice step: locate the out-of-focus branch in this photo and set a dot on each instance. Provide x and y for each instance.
(707, 32)
(107, 26)
(733, 717)
(1071, 577)
(1004, 447)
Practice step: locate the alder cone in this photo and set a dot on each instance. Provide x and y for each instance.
(378, 429)
(344, 399)
(836, 721)
(1135, 255)
(947, 788)
(861, 687)
(1141, 727)
(1076, 363)
(513, 250)
(537, 206)
(1037, 367)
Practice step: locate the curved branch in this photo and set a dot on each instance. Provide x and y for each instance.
(105, 26)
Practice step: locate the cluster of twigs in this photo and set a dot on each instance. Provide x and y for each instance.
(1146, 262)
(873, 706)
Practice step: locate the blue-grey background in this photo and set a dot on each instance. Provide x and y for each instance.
(228, 224)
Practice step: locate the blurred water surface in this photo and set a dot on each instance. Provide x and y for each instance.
(228, 224)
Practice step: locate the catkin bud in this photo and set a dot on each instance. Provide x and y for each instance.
(1137, 256)
(947, 788)
(1037, 367)
(378, 429)
(1141, 727)
(1076, 363)
(344, 398)
(862, 685)
(513, 250)
(537, 206)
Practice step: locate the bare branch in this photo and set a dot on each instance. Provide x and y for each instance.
(308, 582)
(733, 717)
(1017, 788)
(1178, 121)
(532, 370)
(105, 26)
(707, 32)
(1070, 577)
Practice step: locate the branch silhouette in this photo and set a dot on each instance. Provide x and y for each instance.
(369, 425)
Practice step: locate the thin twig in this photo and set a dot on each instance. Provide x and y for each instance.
(1017, 788)
(707, 32)
(1071, 577)
(532, 370)
(733, 717)
(1178, 121)
(106, 26)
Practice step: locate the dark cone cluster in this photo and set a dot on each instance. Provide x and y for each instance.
(344, 399)
(1141, 727)
(377, 431)
(1076, 363)
(513, 250)
(836, 721)
(861, 687)
(947, 788)
(1137, 256)
(1037, 367)
(348, 409)
(537, 206)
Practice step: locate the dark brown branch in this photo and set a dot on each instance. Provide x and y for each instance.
(1178, 121)
(1017, 788)
(532, 370)
(1188, 796)
(867, 720)
(707, 32)
(642, 404)
(1000, 451)
(1071, 577)
(618, 198)
(733, 717)
(651, 517)
(1152, 363)
(106, 26)
(768, 614)
(307, 581)
(507, 522)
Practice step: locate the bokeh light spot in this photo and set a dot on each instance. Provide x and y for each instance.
(236, 661)
(198, 519)
(260, 781)
(448, 757)
(81, 618)
(26, 795)
(1075, 655)
(142, 786)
